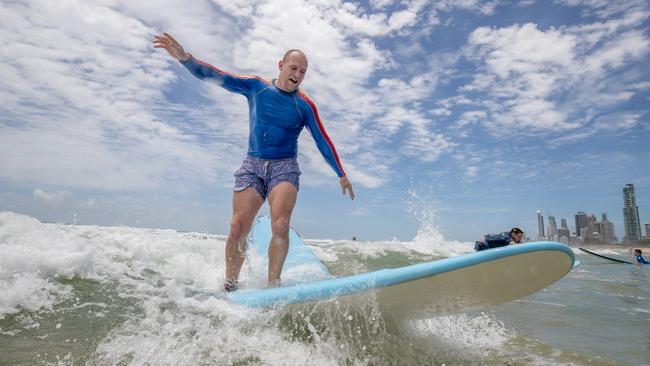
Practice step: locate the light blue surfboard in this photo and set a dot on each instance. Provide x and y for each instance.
(452, 285)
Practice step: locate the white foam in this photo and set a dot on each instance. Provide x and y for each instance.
(197, 332)
(33, 255)
(464, 335)
(639, 310)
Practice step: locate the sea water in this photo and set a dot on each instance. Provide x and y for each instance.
(118, 295)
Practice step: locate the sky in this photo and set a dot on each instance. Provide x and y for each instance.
(453, 118)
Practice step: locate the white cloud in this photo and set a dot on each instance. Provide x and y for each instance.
(552, 81)
(356, 22)
(614, 53)
(605, 8)
(380, 4)
(471, 171)
(523, 65)
(471, 117)
(359, 211)
(80, 100)
(51, 197)
(616, 122)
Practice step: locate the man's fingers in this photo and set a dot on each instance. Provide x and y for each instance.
(171, 38)
(160, 45)
(161, 39)
(347, 189)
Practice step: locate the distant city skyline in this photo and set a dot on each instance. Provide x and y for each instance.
(593, 231)
(589, 230)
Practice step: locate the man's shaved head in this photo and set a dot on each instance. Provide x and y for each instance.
(289, 52)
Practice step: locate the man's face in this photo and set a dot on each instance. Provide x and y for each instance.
(517, 237)
(292, 71)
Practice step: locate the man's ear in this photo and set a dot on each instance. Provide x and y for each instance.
(280, 63)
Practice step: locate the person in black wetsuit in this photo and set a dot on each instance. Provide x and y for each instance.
(515, 236)
(639, 257)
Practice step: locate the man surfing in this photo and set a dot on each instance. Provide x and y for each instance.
(278, 111)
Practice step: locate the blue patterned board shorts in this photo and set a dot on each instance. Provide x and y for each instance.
(264, 174)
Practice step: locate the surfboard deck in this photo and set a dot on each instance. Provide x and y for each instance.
(605, 257)
(452, 285)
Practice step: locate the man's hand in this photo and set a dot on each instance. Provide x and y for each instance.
(171, 45)
(346, 186)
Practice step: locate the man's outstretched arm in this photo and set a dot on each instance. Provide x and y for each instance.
(203, 70)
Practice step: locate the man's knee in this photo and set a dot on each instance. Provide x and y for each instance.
(280, 226)
(238, 227)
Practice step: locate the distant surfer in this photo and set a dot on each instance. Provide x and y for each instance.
(278, 111)
(639, 257)
(490, 241)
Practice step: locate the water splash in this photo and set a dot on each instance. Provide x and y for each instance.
(429, 238)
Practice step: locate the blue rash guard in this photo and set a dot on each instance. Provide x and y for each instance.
(640, 259)
(493, 241)
(276, 117)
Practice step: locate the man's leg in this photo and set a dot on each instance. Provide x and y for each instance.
(245, 205)
(282, 199)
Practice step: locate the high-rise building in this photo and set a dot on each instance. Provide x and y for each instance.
(552, 228)
(593, 229)
(540, 226)
(606, 230)
(563, 232)
(647, 229)
(564, 235)
(631, 215)
(581, 222)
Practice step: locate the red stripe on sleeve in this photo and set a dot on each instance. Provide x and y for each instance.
(228, 73)
(322, 130)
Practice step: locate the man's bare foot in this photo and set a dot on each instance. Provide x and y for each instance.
(275, 283)
(230, 286)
